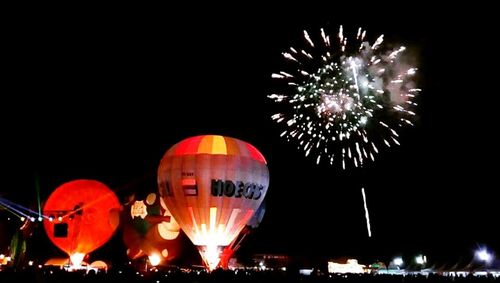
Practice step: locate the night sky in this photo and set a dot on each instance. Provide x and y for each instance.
(103, 95)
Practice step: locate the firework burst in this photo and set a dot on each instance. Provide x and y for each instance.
(345, 101)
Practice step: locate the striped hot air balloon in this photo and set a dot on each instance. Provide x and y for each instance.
(212, 185)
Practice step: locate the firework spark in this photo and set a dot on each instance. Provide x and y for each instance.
(341, 101)
(367, 215)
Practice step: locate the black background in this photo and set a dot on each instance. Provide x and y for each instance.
(103, 93)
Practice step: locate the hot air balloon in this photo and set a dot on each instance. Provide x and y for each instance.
(212, 185)
(81, 216)
(150, 230)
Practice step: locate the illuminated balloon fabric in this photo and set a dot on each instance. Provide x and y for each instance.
(85, 216)
(258, 216)
(252, 224)
(149, 229)
(212, 186)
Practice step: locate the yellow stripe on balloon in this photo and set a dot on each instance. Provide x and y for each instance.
(219, 145)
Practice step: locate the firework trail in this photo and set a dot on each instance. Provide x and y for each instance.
(367, 216)
(342, 102)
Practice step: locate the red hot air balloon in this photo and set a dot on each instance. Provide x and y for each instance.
(81, 216)
(212, 185)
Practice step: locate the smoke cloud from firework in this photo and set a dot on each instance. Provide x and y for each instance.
(344, 99)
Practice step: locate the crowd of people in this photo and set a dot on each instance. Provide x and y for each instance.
(48, 275)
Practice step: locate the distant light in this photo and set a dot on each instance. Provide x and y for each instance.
(51, 218)
(398, 261)
(420, 259)
(306, 271)
(32, 219)
(30, 263)
(40, 218)
(352, 266)
(59, 218)
(8, 258)
(22, 218)
(39, 266)
(2, 256)
(483, 255)
(8, 218)
(154, 259)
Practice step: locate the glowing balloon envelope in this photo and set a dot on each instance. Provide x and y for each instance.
(212, 185)
(81, 216)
